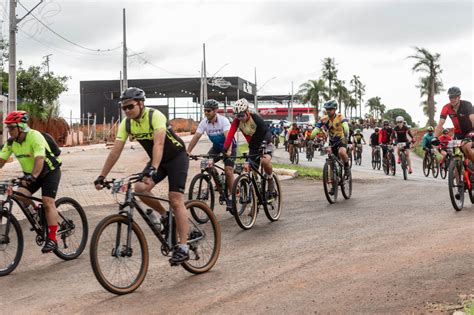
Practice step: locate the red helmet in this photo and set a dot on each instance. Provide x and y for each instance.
(17, 117)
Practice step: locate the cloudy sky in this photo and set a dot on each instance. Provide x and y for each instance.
(283, 39)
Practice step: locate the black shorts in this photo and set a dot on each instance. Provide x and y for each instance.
(335, 147)
(48, 183)
(254, 154)
(227, 161)
(176, 170)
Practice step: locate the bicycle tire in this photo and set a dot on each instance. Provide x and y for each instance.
(346, 186)
(456, 165)
(96, 265)
(243, 190)
(196, 193)
(379, 163)
(426, 166)
(434, 167)
(195, 250)
(4, 243)
(404, 165)
(330, 176)
(65, 232)
(386, 166)
(393, 165)
(297, 157)
(270, 215)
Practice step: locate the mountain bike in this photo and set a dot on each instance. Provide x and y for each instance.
(72, 226)
(358, 154)
(431, 163)
(402, 147)
(443, 167)
(389, 165)
(310, 150)
(334, 176)
(202, 188)
(249, 194)
(119, 250)
(276, 140)
(376, 161)
(295, 157)
(459, 176)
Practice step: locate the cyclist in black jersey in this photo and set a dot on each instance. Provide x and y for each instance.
(167, 155)
(400, 132)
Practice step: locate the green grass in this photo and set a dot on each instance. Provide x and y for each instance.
(419, 151)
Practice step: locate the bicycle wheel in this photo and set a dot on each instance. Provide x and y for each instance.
(297, 157)
(273, 207)
(73, 229)
(374, 162)
(434, 166)
(350, 157)
(393, 165)
(379, 164)
(426, 166)
(456, 184)
(201, 189)
(204, 239)
(386, 166)
(119, 269)
(404, 165)
(443, 169)
(346, 186)
(244, 202)
(330, 182)
(11, 244)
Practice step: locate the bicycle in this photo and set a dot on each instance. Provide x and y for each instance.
(376, 163)
(389, 165)
(201, 187)
(402, 146)
(310, 150)
(119, 248)
(276, 140)
(459, 176)
(72, 226)
(349, 153)
(333, 176)
(295, 157)
(443, 167)
(249, 193)
(430, 163)
(358, 154)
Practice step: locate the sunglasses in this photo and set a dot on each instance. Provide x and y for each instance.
(10, 127)
(241, 115)
(208, 110)
(451, 97)
(129, 107)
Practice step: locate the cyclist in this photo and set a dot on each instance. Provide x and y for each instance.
(374, 140)
(462, 116)
(443, 144)
(40, 167)
(216, 127)
(307, 135)
(358, 137)
(399, 134)
(426, 142)
(255, 132)
(167, 155)
(293, 135)
(385, 136)
(338, 130)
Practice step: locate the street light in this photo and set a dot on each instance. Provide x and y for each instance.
(222, 67)
(256, 91)
(266, 83)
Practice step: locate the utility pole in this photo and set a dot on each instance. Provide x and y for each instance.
(201, 93)
(291, 111)
(256, 91)
(12, 53)
(125, 76)
(204, 71)
(47, 61)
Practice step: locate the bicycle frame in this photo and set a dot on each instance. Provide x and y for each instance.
(254, 173)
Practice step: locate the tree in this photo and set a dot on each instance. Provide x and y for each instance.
(391, 114)
(329, 74)
(358, 90)
(340, 93)
(428, 63)
(424, 90)
(376, 108)
(312, 91)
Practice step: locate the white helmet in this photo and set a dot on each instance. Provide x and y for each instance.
(399, 119)
(241, 106)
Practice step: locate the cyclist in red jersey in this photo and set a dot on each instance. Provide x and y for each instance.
(462, 116)
(385, 136)
(443, 144)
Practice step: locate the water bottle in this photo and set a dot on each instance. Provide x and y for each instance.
(34, 212)
(154, 219)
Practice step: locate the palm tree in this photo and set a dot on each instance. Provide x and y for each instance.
(358, 90)
(340, 92)
(329, 73)
(312, 91)
(428, 63)
(424, 90)
(376, 108)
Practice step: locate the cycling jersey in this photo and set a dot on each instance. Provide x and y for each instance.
(461, 121)
(358, 138)
(293, 134)
(33, 146)
(426, 142)
(400, 133)
(307, 135)
(254, 130)
(337, 127)
(444, 140)
(215, 131)
(142, 131)
(374, 139)
(385, 135)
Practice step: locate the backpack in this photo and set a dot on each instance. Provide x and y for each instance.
(128, 126)
(52, 144)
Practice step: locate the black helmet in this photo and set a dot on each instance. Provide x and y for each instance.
(454, 91)
(376, 129)
(211, 104)
(332, 104)
(133, 93)
(386, 123)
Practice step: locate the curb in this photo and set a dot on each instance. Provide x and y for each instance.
(284, 173)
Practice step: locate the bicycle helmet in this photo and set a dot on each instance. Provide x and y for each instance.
(211, 104)
(17, 117)
(399, 119)
(376, 129)
(386, 123)
(357, 130)
(430, 129)
(454, 91)
(445, 131)
(241, 106)
(332, 104)
(132, 93)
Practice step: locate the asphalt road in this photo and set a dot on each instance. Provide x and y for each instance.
(392, 248)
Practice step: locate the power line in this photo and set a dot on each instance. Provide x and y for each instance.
(146, 61)
(64, 38)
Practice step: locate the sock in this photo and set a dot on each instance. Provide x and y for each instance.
(52, 229)
(184, 248)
